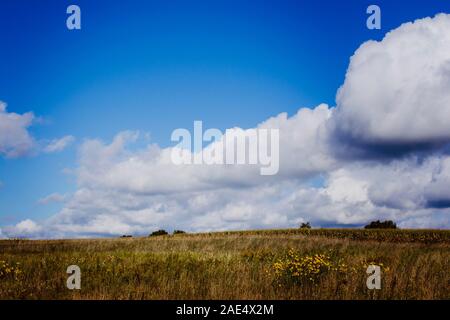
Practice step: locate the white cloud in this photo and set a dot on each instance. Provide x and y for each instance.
(15, 140)
(396, 91)
(57, 145)
(24, 228)
(151, 170)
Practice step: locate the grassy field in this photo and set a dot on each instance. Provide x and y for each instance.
(267, 264)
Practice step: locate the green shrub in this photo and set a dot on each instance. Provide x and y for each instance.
(161, 232)
(305, 226)
(178, 232)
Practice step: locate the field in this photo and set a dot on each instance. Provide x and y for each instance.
(266, 264)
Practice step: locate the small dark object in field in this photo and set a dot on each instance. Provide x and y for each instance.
(388, 224)
(158, 233)
(305, 226)
(127, 236)
(178, 232)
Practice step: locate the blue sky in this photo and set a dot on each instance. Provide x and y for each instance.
(154, 66)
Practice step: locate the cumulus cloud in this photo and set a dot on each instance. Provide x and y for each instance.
(380, 153)
(15, 140)
(151, 171)
(396, 97)
(57, 145)
(24, 228)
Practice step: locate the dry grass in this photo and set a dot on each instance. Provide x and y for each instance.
(225, 266)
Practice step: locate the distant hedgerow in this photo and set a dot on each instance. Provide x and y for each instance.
(388, 224)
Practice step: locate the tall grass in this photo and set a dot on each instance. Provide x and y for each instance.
(222, 266)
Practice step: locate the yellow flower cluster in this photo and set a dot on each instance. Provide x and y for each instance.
(304, 269)
(297, 268)
(7, 270)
